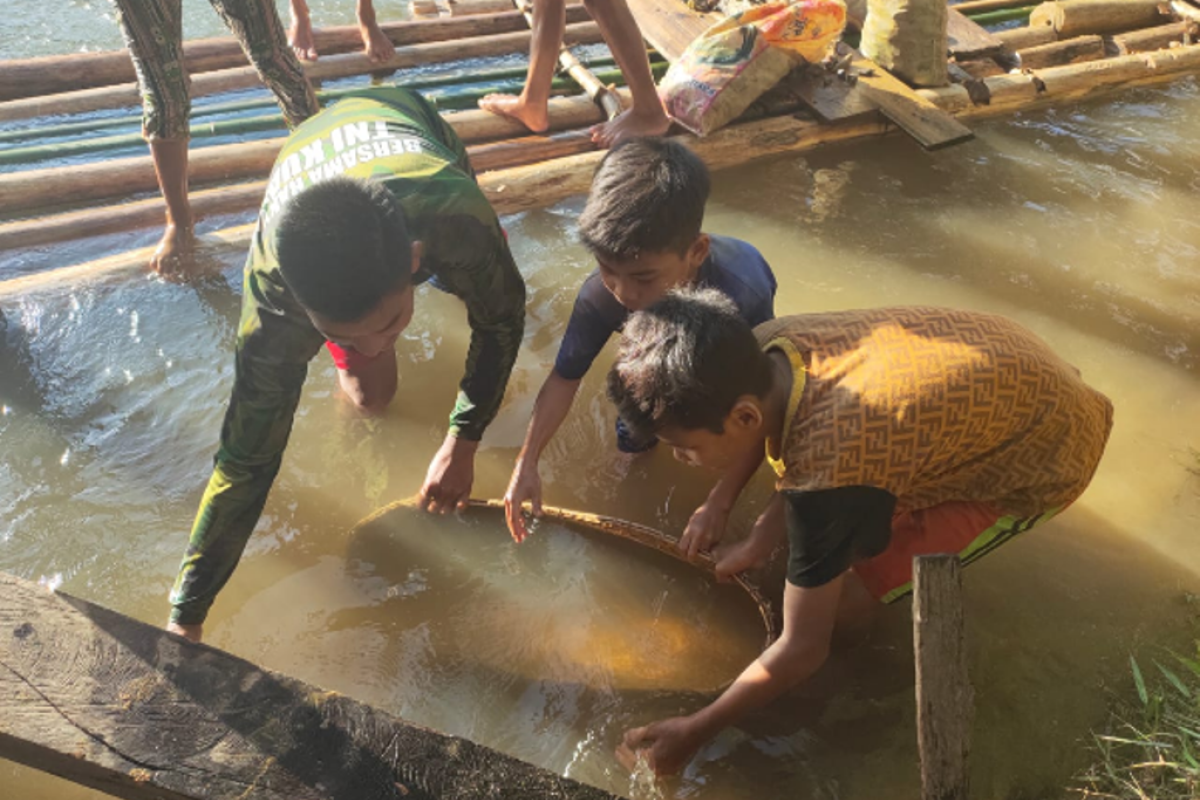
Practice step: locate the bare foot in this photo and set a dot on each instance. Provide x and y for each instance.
(631, 124)
(173, 258)
(300, 37)
(192, 633)
(376, 44)
(537, 119)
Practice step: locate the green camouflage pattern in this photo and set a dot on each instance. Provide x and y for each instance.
(394, 136)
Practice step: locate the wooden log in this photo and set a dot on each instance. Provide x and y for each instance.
(967, 40)
(1021, 38)
(339, 66)
(945, 698)
(1148, 39)
(540, 185)
(33, 77)
(1066, 51)
(1071, 18)
(118, 705)
(30, 190)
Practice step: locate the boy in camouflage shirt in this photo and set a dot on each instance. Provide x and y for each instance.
(366, 200)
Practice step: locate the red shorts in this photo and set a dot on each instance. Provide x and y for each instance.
(969, 529)
(349, 359)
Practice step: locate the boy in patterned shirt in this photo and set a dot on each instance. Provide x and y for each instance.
(366, 200)
(893, 432)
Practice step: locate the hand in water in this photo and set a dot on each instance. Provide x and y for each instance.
(451, 473)
(704, 529)
(192, 633)
(667, 745)
(526, 485)
(175, 256)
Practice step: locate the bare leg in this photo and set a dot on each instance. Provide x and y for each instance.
(646, 117)
(171, 164)
(376, 44)
(857, 611)
(530, 107)
(300, 34)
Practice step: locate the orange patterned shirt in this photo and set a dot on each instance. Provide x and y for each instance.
(936, 405)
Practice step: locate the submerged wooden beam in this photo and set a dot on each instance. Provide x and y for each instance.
(340, 66)
(945, 698)
(46, 75)
(109, 702)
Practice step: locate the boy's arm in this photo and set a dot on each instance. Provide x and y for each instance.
(707, 525)
(271, 365)
(553, 402)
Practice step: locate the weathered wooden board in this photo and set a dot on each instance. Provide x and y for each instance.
(969, 40)
(945, 698)
(113, 703)
(915, 115)
(670, 26)
(830, 98)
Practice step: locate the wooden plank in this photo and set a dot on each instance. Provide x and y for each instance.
(915, 115)
(968, 40)
(945, 698)
(670, 26)
(829, 97)
(124, 707)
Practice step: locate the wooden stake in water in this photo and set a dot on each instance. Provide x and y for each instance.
(945, 698)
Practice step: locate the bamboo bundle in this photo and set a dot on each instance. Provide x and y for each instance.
(1071, 18)
(341, 66)
(33, 77)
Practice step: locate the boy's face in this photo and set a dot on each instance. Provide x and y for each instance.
(379, 328)
(700, 447)
(640, 283)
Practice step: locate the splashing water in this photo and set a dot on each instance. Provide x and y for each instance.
(643, 785)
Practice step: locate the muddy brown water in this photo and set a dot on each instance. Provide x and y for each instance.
(1083, 223)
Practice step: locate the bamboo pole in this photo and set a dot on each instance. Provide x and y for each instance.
(1071, 18)
(472, 127)
(34, 77)
(1021, 38)
(1155, 38)
(1003, 15)
(1067, 51)
(539, 185)
(982, 6)
(340, 66)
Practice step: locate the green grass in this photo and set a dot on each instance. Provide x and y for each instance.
(1151, 749)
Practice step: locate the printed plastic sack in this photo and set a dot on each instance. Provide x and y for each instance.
(908, 38)
(732, 63)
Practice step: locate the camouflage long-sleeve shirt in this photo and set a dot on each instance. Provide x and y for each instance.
(393, 136)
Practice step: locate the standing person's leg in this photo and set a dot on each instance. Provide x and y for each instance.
(300, 34)
(153, 31)
(256, 25)
(376, 44)
(646, 117)
(530, 107)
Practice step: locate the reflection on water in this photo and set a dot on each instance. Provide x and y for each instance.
(1083, 224)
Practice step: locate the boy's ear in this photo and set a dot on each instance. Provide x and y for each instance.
(417, 249)
(698, 251)
(746, 415)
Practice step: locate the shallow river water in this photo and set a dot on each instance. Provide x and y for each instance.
(1083, 223)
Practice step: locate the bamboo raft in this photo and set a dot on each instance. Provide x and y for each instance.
(1069, 50)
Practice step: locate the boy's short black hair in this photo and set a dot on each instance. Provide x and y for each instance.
(647, 195)
(684, 362)
(342, 245)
